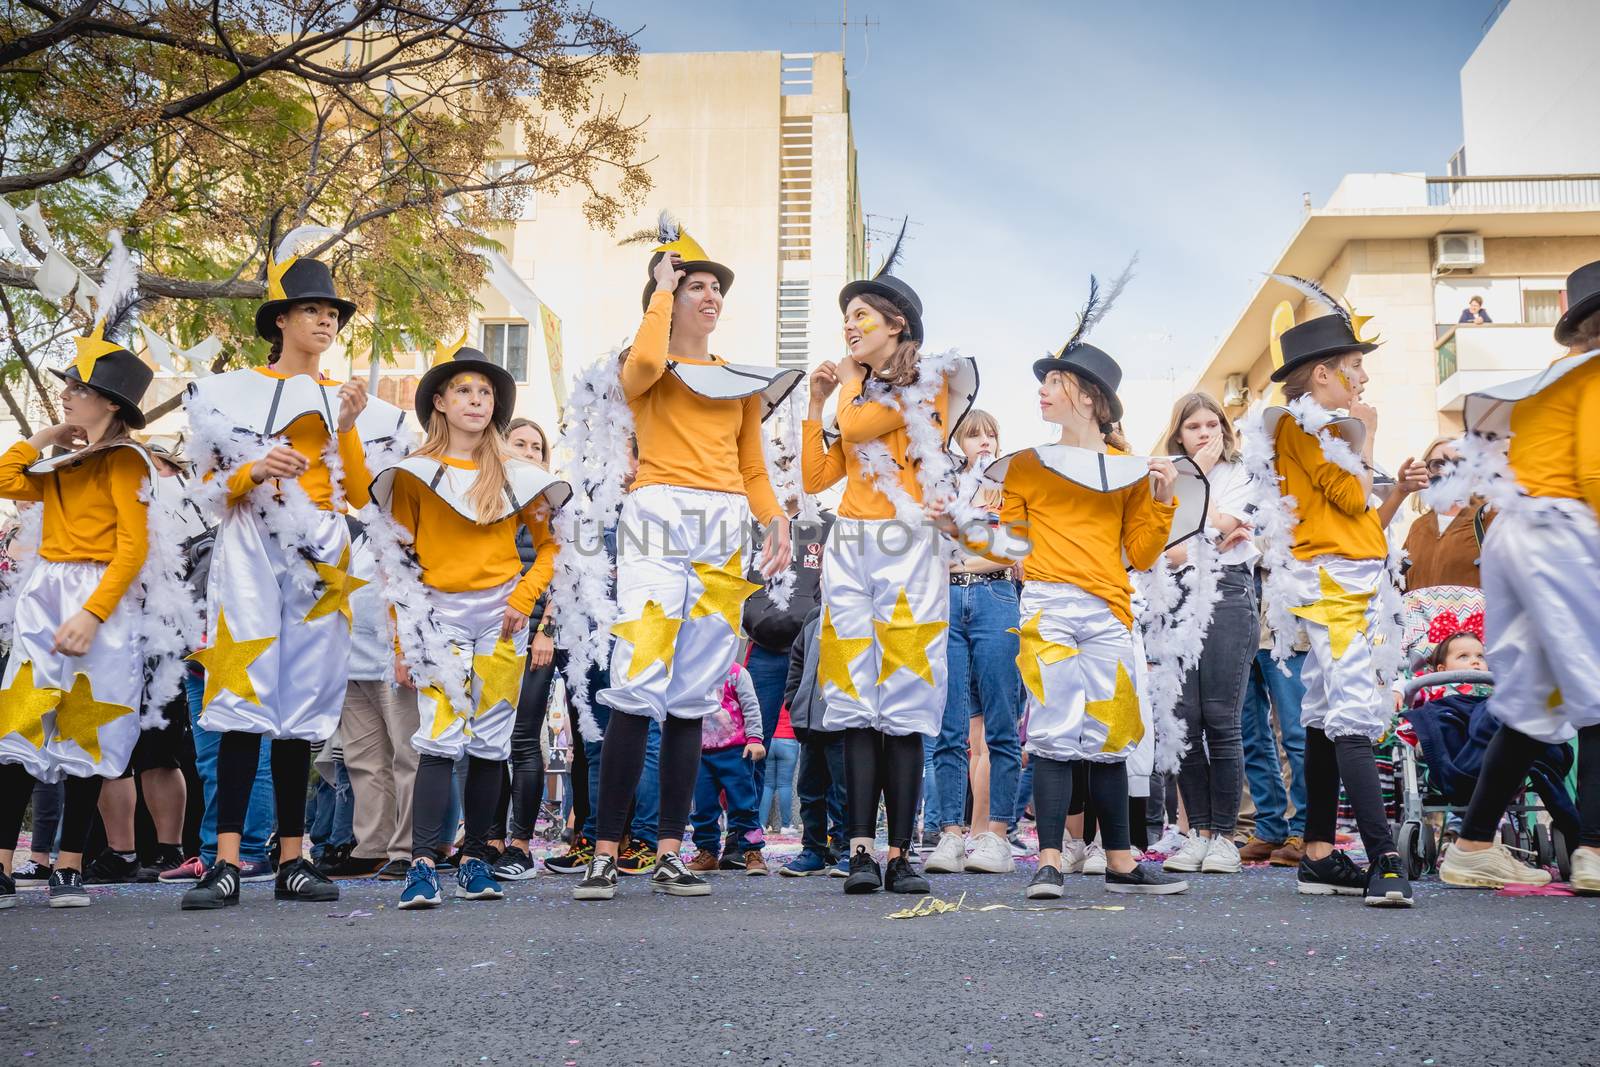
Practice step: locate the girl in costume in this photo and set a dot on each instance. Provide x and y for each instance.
(462, 601)
(1328, 572)
(1071, 512)
(885, 586)
(1211, 776)
(1541, 582)
(282, 449)
(682, 542)
(74, 681)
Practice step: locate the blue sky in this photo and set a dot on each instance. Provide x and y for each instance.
(1032, 143)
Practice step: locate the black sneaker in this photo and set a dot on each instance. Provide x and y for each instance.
(299, 879)
(1334, 876)
(393, 871)
(218, 888)
(864, 876)
(901, 877)
(66, 889)
(1046, 885)
(600, 883)
(168, 858)
(575, 860)
(108, 868)
(674, 879)
(29, 872)
(1146, 879)
(515, 866)
(8, 892)
(345, 865)
(1387, 884)
(732, 860)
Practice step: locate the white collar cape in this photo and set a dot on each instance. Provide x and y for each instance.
(1488, 412)
(1103, 472)
(717, 379)
(962, 382)
(524, 484)
(266, 405)
(73, 459)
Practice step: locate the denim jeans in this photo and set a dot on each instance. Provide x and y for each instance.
(262, 814)
(768, 673)
(778, 781)
(982, 657)
(821, 788)
(1024, 796)
(726, 771)
(930, 788)
(330, 812)
(647, 799)
(1272, 692)
(1211, 707)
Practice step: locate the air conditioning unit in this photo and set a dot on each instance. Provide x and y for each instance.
(1456, 250)
(1235, 394)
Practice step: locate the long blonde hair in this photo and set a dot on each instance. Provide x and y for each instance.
(1188, 405)
(488, 492)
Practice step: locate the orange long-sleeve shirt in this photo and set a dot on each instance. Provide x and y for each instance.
(309, 436)
(458, 555)
(1334, 516)
(1078, 536)
(92, 513)
(686, 439)
(861, 422)
(1555, 438)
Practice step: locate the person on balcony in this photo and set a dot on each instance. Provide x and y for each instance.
(1473, 313)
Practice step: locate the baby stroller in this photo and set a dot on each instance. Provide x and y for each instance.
(1439, 742)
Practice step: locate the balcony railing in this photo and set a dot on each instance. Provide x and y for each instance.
(1468, 358)
(1543, 190)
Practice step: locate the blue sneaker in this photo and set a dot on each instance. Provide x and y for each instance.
(474, 881)
(807, 863)
(840, 869)
(422, 887)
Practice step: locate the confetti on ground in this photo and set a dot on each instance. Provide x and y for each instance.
(1554, 889)
(934, 906)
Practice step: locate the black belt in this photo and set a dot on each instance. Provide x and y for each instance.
(973, 578)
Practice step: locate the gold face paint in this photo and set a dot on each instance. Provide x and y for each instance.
(868, 325)
(1343, 380)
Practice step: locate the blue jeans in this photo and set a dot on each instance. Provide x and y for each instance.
(647, 799)
(1269, 691)
(982, 653)
(930, 787)
(1024, 796)
(768, 672)
(778, 780)
(330, 812)
(821, 788)
(262, 814)
(725, 770)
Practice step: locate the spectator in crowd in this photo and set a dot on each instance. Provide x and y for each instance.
(1473, 314)
(1443, 546)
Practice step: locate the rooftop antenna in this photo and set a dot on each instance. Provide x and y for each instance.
(867, 23)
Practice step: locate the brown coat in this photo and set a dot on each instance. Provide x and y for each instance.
(1450, 558)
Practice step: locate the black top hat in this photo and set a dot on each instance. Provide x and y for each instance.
(118, 375)
(892, 289)
(449, 362)
(1326, 335)
(1086, 361)
(1583, 300)
(302, 279)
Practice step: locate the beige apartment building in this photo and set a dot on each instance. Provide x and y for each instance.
(1411, 249)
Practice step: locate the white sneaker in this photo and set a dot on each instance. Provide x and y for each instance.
(991, 855)
(1094, 860)
(1171, 842)
(1490, 868)
(1585, 871)
(1073, 853)
(949, 856)
(1189, 856)
(1222, 857)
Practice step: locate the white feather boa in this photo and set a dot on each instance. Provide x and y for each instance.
(1174, 616)
(169, 622)
(595, 446)
(24, 553)
(781, 450)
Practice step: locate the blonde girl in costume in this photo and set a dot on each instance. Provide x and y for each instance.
(1071, 512)
(885, 589)
(462, 603)
(1541, 583)
(1323, 544)
(74, 681)
(683, 539)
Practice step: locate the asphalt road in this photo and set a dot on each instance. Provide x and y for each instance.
(1239, 971)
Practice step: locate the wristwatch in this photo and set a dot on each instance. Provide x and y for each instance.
(548, 628)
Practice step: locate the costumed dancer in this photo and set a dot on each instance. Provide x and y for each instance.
(1329, 574)
(1072, 512)
(447, 554)
(682, 541)
(70, 704)
(882, 661)
(281, 447)
(1541, 584)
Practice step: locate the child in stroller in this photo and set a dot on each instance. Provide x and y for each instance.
(1442, 737)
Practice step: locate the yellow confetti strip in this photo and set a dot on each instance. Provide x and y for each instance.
(934, 906)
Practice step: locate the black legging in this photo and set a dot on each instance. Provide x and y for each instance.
(1349, 759)
(238, 756)
(431, 803)
(1505, 768)
(16, 786)
(877, 764)
(1104, 787)
(527, 760)
(622, 762)
(78, 811)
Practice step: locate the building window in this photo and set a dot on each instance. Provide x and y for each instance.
(506, 344)
(794, 323)
(1541, 307)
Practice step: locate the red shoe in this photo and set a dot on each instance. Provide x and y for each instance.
(190, 870)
